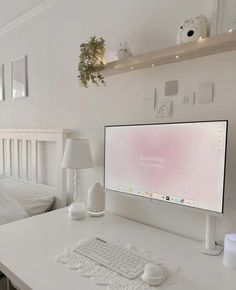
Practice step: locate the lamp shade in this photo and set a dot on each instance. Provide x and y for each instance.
(77, 154)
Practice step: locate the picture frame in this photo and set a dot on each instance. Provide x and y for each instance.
(223, 16)
(2, 83)
(164, 109)
(188, 100)
(19, 78)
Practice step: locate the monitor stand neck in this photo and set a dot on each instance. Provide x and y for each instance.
(209, 247)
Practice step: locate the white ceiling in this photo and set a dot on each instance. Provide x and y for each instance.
(11, 9)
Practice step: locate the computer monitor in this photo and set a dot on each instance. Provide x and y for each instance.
(178, 163)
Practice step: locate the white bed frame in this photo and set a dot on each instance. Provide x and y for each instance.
(9, 146)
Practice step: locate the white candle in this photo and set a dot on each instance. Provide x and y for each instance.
(230, 251)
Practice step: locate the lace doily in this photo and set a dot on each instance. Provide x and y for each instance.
(105, 277)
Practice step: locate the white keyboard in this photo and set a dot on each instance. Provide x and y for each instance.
(112, 256)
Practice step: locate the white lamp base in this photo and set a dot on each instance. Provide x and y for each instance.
(77, 210)
(96, 213)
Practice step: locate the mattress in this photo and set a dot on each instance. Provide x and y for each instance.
(33, 198)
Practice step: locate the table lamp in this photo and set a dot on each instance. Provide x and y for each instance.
(77, 155)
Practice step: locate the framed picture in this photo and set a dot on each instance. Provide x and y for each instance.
(2, 90)
(188, 100)
(223, 16)
(19, 78)
(164, 109)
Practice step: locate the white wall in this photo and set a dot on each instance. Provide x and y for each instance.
(51, 40)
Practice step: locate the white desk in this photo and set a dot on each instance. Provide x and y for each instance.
(28, 248)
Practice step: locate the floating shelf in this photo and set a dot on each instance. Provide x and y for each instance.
(202, 47)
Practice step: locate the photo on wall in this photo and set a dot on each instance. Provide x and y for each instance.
(226, 15)
(19, 78)
(164, 109)
(2, 91)
(188, 100)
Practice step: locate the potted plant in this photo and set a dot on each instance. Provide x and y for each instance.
(91, 62)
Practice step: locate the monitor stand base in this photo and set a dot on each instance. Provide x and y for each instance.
(209, 247)
(212, 252)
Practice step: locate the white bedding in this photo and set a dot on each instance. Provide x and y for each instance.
(34, 199)
(10, 209)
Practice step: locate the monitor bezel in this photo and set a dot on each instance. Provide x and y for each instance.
(163, 201)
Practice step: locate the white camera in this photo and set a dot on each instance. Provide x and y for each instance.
(192, 29)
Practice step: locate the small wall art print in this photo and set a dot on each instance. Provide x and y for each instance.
(19, 78)
(164, 109)
(2, 91)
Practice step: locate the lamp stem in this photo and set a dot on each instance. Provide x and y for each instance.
(76, 191)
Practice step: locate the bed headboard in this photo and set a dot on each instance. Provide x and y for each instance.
(12, 158)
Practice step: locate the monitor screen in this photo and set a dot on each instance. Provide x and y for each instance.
(179, 163)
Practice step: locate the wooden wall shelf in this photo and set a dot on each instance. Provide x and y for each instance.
(202, 47)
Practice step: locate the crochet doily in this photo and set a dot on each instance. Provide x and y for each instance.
(105, 277)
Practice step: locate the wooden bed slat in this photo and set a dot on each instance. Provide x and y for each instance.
(34, 160)
(8, 157)
(24, 159)
(16, 158)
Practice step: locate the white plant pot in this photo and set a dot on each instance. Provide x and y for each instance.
(96, 200)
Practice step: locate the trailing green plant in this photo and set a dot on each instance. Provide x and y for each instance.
(91, 62)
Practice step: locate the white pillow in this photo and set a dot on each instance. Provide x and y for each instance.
(35, 199)
(10, 210)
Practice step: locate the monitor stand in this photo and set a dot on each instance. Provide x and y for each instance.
(209, 247)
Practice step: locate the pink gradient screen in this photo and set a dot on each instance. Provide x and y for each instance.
(180, 163)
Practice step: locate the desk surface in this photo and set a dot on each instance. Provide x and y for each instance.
(28, 248)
